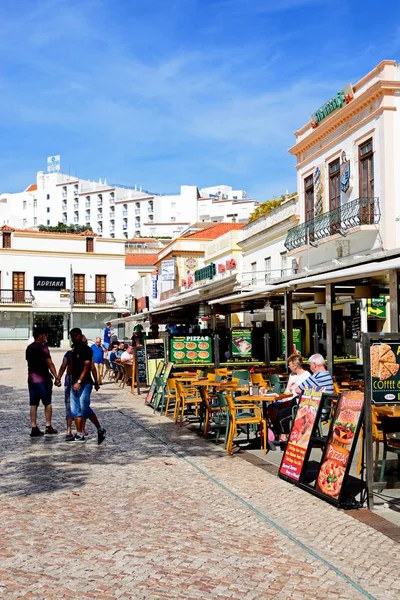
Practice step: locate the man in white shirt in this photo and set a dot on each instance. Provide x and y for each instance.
(126, 357)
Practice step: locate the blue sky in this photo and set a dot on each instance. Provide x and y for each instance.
(161, 93)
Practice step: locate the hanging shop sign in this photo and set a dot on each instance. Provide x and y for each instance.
(154, 287)
(385, 374)
(221, 268)
(340, 99)
(339, 450)
(345, 173)
(142, 304)
(376, 308)
(318, 179)
(49, 284)
(297, 342)
(230, 264)
(191, 349)
(298, 446)
(207, 272)
(168, 270)
(241, 343)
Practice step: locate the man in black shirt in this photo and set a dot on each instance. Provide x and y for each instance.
(81, 382)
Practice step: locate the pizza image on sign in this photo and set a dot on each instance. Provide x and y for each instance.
(383, 362)
(330, 478)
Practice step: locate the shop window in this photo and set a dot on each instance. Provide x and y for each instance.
(309, 198)
(267, 269)
(283, 263)
(6, 239)
(89, 244)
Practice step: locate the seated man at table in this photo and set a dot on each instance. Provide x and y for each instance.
(126, 357)
(320, 380)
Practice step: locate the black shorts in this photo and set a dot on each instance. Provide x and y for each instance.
(40, 392)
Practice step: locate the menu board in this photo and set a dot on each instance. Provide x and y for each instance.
(340, 446)
(241, 345)
(385, 373)
(297, 447)
(141, 365)
(191, 349)
(155, 349)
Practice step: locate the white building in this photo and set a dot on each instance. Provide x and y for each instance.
(118, 211)
(58, 280)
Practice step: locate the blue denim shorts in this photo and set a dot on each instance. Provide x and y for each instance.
(80, 401)
(40, 392)
(67, 398)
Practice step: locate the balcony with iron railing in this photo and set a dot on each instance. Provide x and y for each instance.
(363, 211)
(16, 297)
(93, 298)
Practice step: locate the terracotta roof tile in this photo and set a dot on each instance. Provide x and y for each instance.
(142, 240)
(215, 231)
(140, 260)
(31, 188)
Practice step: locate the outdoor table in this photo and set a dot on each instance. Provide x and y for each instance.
(387, 410)
(264, 400)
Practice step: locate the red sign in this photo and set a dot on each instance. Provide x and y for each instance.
(230, 264)
(299, 439)
(221, 268)
(169, 293)
(142, 303)
(342, 439)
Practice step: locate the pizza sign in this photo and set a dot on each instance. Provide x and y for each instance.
(341, 443)
(296, 451)
(385, 375)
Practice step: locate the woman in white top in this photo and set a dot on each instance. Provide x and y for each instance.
(283, 408)
(297, 375)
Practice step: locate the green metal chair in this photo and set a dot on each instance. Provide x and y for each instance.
(276, 385)
(222, 419)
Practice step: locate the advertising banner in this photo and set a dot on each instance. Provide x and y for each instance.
(49, 284)
(191, 349)
(241, 346)
(154, 287)
(296, 451)
(385, 384)
(54, 164)
(297, 345)
(340, 446)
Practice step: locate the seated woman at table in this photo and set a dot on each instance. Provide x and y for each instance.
(279, 410)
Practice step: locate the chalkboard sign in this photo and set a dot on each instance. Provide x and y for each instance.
(355, 321)
(150, 393)
(141, 365)
(155, 349)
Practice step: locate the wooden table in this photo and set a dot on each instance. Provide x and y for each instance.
(387, 410)
(264, 400)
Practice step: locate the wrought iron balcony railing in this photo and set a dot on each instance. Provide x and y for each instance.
(93, 298)
(363, 211)
(16, 297)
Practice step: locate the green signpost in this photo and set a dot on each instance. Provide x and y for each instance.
(376, 307)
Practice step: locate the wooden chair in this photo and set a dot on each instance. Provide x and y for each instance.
(252, 416)
(108, 371)
(258, 379)
(120, 374)
(211, 408)
(186, 396)
(223, 372)
(126, 374)
(171, 394)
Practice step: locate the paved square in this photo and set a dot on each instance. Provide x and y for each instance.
(157, 513)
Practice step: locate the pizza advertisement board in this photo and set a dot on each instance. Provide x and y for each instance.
(298, 446)
(341, 443)
(241, 343)
(385, 371)
(191, 349)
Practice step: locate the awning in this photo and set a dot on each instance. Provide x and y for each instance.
(358, 272)
(247, 295)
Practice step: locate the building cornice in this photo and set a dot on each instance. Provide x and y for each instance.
(337, 118)
(63, 254)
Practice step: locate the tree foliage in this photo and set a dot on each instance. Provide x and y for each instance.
(265, 208)
(63, 228)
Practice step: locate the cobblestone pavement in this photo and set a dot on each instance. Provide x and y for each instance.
(134, 519)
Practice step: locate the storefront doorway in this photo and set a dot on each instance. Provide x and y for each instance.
(54, 324)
